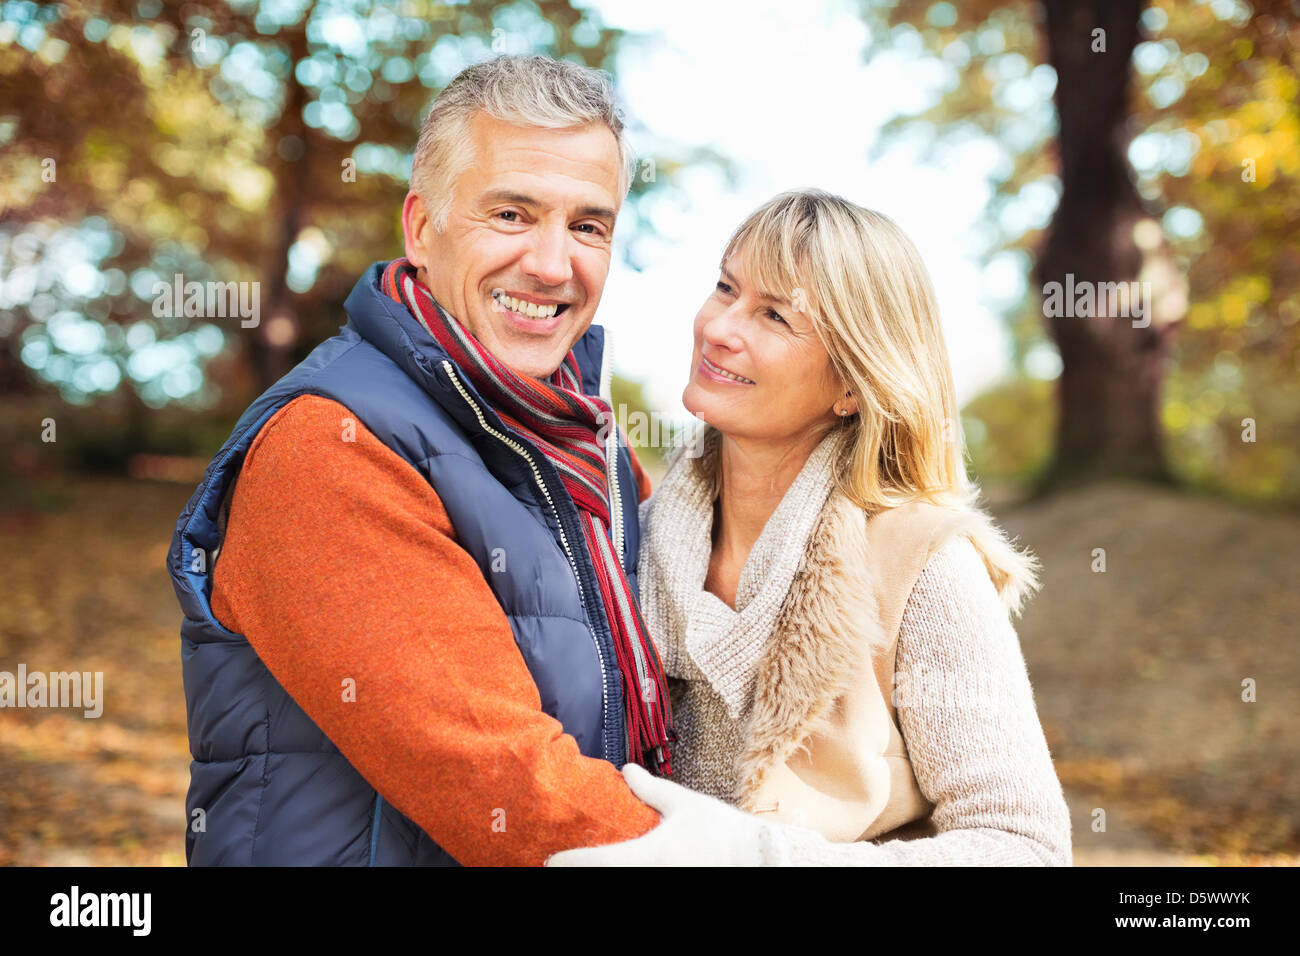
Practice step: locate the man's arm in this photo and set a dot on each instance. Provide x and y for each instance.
(643, 490)
(340, 562)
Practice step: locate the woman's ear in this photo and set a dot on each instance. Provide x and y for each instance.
(846, 405)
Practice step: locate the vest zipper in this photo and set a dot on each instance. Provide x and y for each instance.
(564, 541)
(611, 454)
(605, 390)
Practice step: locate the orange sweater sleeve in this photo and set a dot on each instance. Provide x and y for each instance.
(642, 479)
(340, 564)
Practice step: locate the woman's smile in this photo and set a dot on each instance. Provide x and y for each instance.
(719, 374)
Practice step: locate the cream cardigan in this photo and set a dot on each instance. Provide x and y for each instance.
(868, 686)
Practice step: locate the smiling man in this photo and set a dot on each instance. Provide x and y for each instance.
(421, 643)
(523, 248)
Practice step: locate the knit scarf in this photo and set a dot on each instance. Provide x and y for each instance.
(564, 425)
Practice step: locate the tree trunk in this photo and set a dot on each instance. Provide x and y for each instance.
(1113, 369)
(270, 347)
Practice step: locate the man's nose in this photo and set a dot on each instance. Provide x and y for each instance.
(548, 260)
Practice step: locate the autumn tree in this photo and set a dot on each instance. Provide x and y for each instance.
(1171, 147)
(230, 141)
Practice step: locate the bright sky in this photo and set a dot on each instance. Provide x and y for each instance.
(781, 89)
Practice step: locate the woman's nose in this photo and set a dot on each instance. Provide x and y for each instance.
(722, 329)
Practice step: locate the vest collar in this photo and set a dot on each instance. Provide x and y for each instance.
(840, 619)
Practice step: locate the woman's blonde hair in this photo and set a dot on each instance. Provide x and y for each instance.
(869, 296)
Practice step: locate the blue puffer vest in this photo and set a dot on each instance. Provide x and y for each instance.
(271, 787)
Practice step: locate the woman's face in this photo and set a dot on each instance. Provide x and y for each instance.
(788, 386)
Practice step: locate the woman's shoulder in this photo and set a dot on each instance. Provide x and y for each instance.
(971, 542)
(954, 574)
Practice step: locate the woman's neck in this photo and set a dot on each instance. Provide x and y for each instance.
(754, 478)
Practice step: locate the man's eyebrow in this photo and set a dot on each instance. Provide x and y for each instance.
(523, 199)
(508, 195)
(599, 212)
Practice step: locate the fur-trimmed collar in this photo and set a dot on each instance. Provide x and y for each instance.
(830, 627)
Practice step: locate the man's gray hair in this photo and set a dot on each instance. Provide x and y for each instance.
(523, 90)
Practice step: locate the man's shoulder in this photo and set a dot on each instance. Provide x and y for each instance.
(318, 444)
(315, 457)
(308, 416)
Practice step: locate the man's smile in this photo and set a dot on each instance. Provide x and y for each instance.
(532, 316)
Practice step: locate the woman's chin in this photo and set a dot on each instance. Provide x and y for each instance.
(709, 410)
(697, 403)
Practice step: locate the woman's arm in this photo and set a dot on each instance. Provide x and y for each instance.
(967, 714)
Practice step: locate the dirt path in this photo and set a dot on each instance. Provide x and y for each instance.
(1139, 673)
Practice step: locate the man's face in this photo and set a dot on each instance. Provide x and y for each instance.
(529, 232)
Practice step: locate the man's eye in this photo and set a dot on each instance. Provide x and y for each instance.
(509, 212)
(595, 229)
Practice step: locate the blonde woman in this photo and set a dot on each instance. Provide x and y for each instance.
(831, 607)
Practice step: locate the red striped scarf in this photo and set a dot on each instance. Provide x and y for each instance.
(564, 424)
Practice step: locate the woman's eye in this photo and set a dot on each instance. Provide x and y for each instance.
(776, 315)
(723, 287)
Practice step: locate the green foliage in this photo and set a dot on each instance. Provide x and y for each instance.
(629, 400)
(1009, 431)
(226, 142)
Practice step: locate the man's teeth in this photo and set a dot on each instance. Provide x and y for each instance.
(530, 309)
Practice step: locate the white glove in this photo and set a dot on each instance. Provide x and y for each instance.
(696, 830)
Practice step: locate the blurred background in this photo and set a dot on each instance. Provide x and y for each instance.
(1155, 468)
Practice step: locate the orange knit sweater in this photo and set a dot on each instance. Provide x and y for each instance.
(342, 569)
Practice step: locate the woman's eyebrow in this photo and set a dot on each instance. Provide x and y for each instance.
(762, 295)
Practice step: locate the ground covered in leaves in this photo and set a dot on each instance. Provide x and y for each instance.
(1138, 675)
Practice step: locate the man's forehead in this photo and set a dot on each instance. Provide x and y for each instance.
(531, 159)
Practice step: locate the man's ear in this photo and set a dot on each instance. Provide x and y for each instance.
(417, 230)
